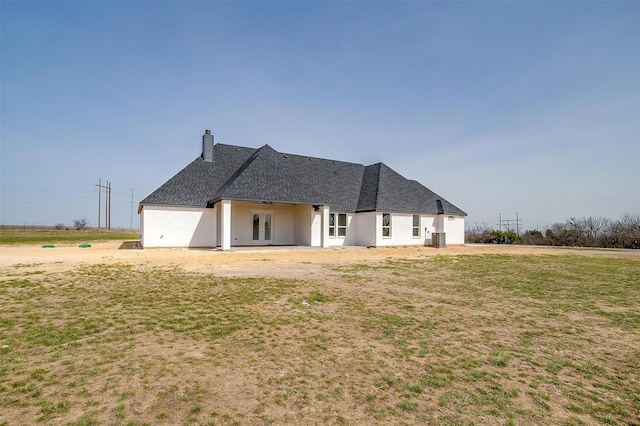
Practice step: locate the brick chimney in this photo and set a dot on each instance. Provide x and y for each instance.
(207, 146)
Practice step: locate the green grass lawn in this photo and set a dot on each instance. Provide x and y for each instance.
(51, 236)
(444, 340)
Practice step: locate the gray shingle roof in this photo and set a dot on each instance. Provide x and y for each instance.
(266, 175)
(197, 183)
(383, 189)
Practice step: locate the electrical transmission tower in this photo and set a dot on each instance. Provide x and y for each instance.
(511, 224)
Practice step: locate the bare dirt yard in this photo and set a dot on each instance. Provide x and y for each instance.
(242, 261)
(403, 335)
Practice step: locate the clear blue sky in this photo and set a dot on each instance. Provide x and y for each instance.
(500, 107)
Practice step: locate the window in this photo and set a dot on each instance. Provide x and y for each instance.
(332, 225)
(416, 226)
(342, 225)
(338, 228)
(386, 225)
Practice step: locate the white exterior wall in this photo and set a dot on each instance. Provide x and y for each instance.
(454, 229)
(370, 229)
(427, 227)
(401, 231)
(351, 239)
(283, 229)
(452, 226)
(366, 229)
(303, 230)
(301, 225)
(178, 227)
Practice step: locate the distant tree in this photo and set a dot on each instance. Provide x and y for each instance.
(478, 233)
(592, 231)
(622, 233)
(534, 237)
(561, 234)
(80, 223)
(588, 229)
(577, 232)
(550, 236)
(570, 233)
(60, 226)
(503, 237)
(534, 233)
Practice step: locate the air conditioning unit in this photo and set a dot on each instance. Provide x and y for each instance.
(438, 240)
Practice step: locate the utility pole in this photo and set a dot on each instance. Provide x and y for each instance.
(109, 207)
(107, 201)
(99, 185)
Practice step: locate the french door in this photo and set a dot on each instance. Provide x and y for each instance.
(262, 227)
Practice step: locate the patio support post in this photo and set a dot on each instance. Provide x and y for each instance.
(325, 226)
(225, 224)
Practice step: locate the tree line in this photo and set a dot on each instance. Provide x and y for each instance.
(592, 231)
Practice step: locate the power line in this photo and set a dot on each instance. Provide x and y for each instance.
(107, 188)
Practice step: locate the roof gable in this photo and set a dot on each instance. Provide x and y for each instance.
(384, 189)
(266, 178)
(338, 182)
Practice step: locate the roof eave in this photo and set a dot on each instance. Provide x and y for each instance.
(264, 201)
(411, 212)
(141, 205)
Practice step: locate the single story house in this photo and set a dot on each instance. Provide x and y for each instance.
(238, 196)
